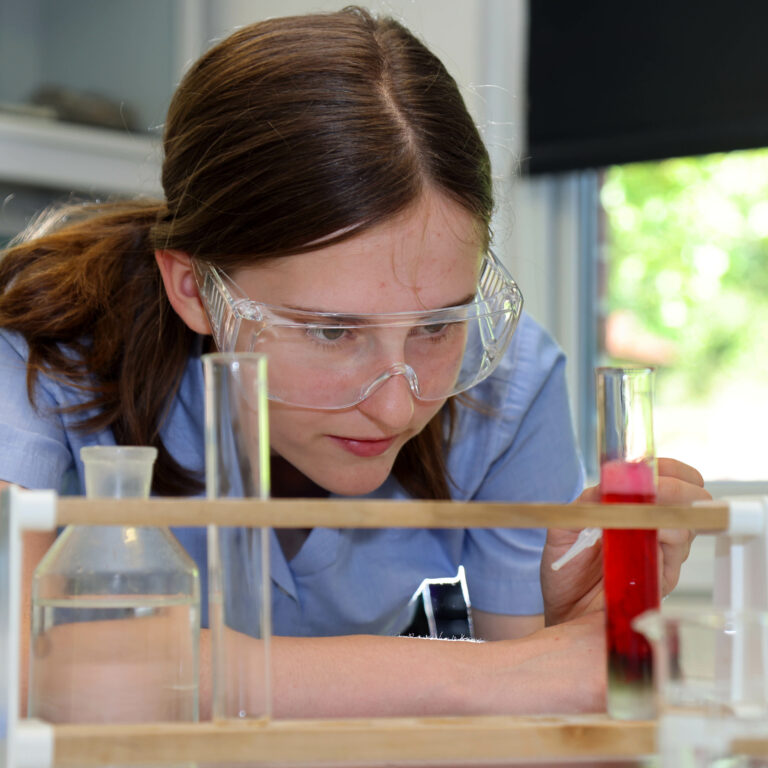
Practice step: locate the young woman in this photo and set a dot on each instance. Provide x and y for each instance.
(327, 193)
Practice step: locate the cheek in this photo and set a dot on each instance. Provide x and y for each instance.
(289, 427)
(424, 413)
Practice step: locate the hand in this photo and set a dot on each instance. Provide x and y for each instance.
(578, 587)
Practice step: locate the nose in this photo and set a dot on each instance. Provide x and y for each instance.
(391, 404)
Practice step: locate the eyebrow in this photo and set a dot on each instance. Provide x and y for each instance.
(353, 318)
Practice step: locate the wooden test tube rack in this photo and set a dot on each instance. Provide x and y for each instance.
(451, 741)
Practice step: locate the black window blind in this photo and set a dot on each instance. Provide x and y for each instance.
(616, 81)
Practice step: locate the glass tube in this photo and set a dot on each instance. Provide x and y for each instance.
(237, 466)
(630, 556)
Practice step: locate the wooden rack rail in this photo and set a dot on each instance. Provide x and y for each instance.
(750, 747)
(454, 741)
(347, 513)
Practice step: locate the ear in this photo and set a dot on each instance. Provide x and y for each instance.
(179, 280)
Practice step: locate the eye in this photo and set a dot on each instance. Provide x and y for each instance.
(433, 330)
(326, 333)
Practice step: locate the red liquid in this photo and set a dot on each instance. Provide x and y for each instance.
(631, 582)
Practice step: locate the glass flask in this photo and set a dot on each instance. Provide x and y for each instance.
(237, 466)
(630, 556)
(115, 612)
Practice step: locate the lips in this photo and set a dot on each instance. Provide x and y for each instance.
(363, 448)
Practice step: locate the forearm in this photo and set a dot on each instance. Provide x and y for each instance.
(356, 675)
(369, 676)
(556, 670)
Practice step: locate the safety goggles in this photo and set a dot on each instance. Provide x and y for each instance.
(330, 360)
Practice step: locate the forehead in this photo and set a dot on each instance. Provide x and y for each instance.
(427, 257)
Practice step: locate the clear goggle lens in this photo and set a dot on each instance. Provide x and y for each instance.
(332, 361)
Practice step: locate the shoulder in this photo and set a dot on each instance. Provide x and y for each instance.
(49, 391)
(13, 370)
(30, 431)
(13, 347)
(531, 360)
(514, 439)
(14, 355)
(532, 347)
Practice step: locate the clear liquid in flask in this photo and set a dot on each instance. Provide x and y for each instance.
(119, 647)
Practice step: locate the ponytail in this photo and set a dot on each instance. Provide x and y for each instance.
(83, 288)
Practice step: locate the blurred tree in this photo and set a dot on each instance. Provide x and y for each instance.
(688, 265)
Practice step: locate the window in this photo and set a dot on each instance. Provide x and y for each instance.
(683, 281)
(678, 269)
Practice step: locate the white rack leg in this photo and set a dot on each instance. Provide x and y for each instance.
(741, 557)
(29, 743)
(34, 744)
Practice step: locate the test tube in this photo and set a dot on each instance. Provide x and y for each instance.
(630, 556)
(237, 466)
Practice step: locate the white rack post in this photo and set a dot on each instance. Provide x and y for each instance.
(27, 743)
(741, 557)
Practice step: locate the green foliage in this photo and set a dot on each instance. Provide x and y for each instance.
(688, 244)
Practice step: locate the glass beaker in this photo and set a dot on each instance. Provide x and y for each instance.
(237, 466)
(115, 612)
(712, 682)
(630, 556)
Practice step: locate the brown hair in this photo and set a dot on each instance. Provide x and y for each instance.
(287, 132)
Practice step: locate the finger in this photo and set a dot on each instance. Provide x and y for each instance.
(672, 559)
(673, 490)
(590, 495)
(676, 537)
(675, 547)
(680, 470)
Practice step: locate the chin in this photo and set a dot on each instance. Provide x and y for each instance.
(355, 482)
(355, 487)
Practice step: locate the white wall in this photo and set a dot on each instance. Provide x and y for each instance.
(451, 28)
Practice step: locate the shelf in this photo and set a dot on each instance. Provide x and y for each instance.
(65, 156)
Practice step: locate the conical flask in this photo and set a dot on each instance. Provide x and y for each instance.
(115, 612)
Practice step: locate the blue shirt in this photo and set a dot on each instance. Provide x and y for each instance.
(519, 447)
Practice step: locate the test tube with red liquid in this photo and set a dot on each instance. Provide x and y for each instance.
(630, 556)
